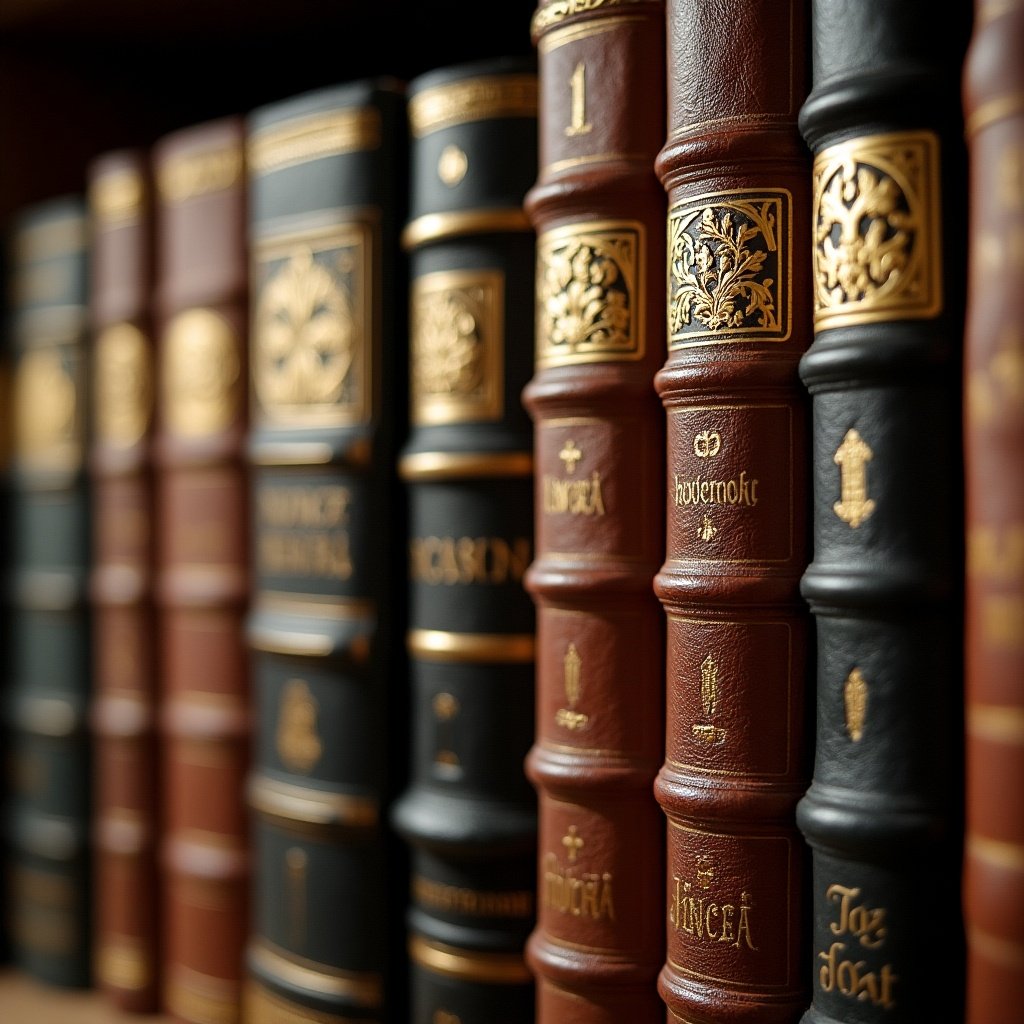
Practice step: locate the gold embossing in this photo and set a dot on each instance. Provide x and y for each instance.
(852, 456)
(707, 530)
(499, 648)
(574, 497)
(709, 918)
(739, 490)
(452, 165)
(855, 704)
(578, 125)
(590, 293)
(123, 382)
(445, 707)
(707, 444)
(457, 346)
(472, 99)
(570, 455)
(122, 963)
(573, 843)
(189, 175)
(264, 1007)
(452, 561)
(47, 429)
(727, 259)
(708, 734)
(877, 248)
(296, 863)
(201, 373)
(304, 531)
(586, 894)
(572, 674)
(335, 985)
(457, 962)
(558, 10)
(314, 137)
(451, 899)
(116, 197)
(997, 388)
(298, 744)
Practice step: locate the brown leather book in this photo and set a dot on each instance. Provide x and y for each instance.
(599, 212)
(123, 714)
(202, 583)
(739, 317)
(993, 895)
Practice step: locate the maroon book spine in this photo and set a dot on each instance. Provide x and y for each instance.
(739, 317)
(599, 212)
(123, 714)
(203, 568)
(993, 890)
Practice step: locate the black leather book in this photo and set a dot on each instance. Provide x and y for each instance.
(327, 200)
(469, 814)
(883, 813)
(50, 654)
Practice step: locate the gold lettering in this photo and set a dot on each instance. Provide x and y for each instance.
(451, 561)
(707, 919)
(741, 490)
(867, 924)
(471, 902)
(585, 895)
(309, 507)
(578, 84)
(852, 981)
(575, 497)
(297, 554)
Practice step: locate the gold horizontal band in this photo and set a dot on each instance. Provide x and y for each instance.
(432, 227)
(325, 606)
(294, 806)
(554, 12)
(193, 996)
(489, 968)
(265, 1007)
(994, 110)
(998, 853)
(473, 99)
(360, 987)
(463, 465)
(996, 949)
(290, 641)
(116, 197)
(438, 645)
(310, 138)
(291, 453)
(996, 723)
(574, 32)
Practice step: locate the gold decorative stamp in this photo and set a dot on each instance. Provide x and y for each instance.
(298, 743)
(123, 383)
(852, 457)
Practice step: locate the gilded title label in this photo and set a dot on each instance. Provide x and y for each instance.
(458, 346)
(590, 293)
(304, 531)
(705, 915)
(571, 495)
(47, 413)
(568, 890)
(201, 374)
(298, 743)
(729, 274)
(312, 333)
(123, 382)
(877, 243)
(454, 561)
(844, 969)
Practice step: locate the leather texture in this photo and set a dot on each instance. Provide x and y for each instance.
(599, 213)
(883, 814)
(736, 174)
(124, 707)
(202, 584)
(327, 179)
(468, 813)
(50, 803)
(993, 893)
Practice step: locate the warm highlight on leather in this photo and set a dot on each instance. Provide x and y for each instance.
(599, 212)
(202, 563)
(738, 319)
(993, 896)
(124, 708)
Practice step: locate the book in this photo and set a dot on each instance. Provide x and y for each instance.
(599, 212)
(126, 820)
(469, 812)
(737, 179)
(883, 814)
(993, 879)
(327, 174)
(202, 564)
(49, 814)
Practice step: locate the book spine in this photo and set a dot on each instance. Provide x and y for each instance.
(326, 207)
(469, 813)
(123, 712)
(599, 213)
(50, 800)
(202, 565)
(736, 760)
(883, 814)
(993, 880)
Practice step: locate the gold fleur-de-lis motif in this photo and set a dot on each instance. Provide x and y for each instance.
(855, 704)
(707, 530)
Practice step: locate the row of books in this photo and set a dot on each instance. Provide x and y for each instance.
(436, 509)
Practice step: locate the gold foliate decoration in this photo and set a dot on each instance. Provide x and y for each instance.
(312, 340)
(877, 244)
(47, 428)
(457, 346)
(298, 743)
(852, 456)
(554, 11)
(123, 383)
(729, 271)
(855, 704)
(200, 373)
(590, 293)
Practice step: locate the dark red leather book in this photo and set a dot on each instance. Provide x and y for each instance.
(737, 178)
(599, 212)
(202, 559)
(123, 714)
(993, 894)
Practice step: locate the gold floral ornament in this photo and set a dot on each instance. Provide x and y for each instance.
(587, 298)
(305, 335)
(724, 267)
(46, 411)
(447, 349)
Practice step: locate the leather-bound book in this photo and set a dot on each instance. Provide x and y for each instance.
(993, 880)
(202, 582)
(469, 813)
(736, 174)
(883, 814)
(327, 350)
(49, 689)
(123, 711)
(599, 213)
